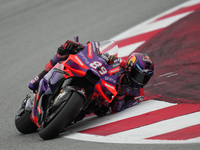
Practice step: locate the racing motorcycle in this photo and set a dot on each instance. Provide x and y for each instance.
(84, 82)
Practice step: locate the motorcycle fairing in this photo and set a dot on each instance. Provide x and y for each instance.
(77, 66)
(91, 54)
(48, 86)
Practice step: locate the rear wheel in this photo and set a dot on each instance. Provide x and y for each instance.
(71, 108)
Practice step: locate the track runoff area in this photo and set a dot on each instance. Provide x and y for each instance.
(171, 109)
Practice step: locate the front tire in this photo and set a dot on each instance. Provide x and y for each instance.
(63, 118)
(24, 124)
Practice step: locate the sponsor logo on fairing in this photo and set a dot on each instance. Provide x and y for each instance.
(80, 62)
(90, 53)
(110, 86)
(115, 65)
(115, 70)
(84, 58)
(93, 47)
(110, 79)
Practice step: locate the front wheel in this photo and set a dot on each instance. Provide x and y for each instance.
(63, 118)
(24, 124)
(23, 121)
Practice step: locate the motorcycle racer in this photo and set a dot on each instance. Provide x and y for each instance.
(133, 75)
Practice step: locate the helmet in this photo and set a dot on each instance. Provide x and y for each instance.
(139, 69)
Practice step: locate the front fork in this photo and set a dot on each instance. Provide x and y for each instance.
(27, 104)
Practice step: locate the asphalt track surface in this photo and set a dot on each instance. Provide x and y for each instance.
(31, 31)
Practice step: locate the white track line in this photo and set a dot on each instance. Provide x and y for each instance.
(144, 28)
(126, 33)
(143, 107)
(127, 50)
(159, 128)
(138, 135)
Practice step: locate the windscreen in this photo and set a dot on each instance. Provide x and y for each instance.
(108, 47)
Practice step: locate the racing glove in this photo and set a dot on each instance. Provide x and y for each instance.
(69, 47)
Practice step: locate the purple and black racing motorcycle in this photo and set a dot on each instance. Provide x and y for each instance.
(84, 82)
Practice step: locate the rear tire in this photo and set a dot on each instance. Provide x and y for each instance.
(24, 124)
(63, 118)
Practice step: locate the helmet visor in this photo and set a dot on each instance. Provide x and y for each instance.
(139, 77)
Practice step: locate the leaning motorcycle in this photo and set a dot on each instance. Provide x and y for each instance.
(85, 82)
